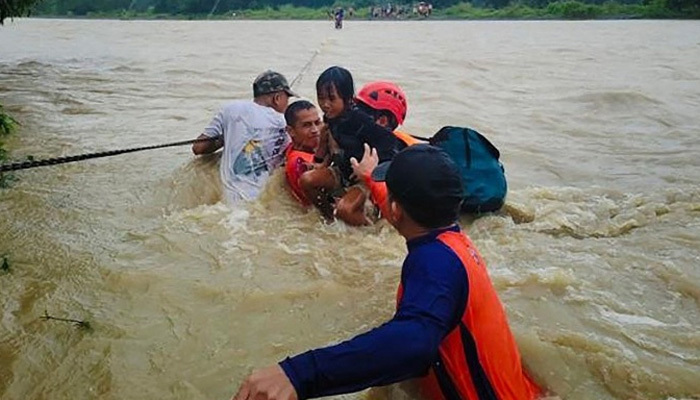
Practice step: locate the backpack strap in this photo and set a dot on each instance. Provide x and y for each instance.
(489, 146)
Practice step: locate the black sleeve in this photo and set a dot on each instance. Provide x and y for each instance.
(376, 136)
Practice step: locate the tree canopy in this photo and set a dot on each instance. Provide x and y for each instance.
(15, 8)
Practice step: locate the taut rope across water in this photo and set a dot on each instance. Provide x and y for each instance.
(68, 159)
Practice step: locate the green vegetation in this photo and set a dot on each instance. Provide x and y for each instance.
(7, 123)
(10, 9)
(286, 11)
(15, 8)
(319, 9)
(568, 9)
(7, 126)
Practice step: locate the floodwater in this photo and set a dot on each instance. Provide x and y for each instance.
(596, 257)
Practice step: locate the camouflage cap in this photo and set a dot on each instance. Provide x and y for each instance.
(271, 82)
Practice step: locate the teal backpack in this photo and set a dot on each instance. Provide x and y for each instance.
(482, 173)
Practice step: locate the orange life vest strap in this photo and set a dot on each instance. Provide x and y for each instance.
(409, 139)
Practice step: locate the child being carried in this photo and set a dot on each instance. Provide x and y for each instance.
(346, 131)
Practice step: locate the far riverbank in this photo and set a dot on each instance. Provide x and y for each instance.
(560, 10)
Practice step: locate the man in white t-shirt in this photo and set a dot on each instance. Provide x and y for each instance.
(253, 136)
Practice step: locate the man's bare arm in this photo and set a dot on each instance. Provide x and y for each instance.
(206, 147)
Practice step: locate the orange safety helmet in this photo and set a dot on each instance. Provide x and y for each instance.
(383, 95)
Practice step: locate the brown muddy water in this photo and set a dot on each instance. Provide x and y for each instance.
(597, 258)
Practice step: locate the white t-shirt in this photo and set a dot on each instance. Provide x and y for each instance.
(254, 143)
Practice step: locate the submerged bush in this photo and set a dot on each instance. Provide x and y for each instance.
(7, 126)
(7, 123)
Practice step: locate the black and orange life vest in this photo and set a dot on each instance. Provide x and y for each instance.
(479, 358)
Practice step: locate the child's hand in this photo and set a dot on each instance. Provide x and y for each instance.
(364, 167)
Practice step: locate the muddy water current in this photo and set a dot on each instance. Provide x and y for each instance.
(596, 255)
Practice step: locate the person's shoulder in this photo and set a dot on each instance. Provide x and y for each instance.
(242, 104)
(250, 109)
(236, 106)
(432, 248)
(259, 109)
(434, 258)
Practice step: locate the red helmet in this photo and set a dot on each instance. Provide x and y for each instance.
(382, 95)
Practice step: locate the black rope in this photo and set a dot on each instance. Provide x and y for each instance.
(63, 160)
(305, 68)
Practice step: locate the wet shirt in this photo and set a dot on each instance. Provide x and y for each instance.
(355, 128)
(435, 291)
(254, 144)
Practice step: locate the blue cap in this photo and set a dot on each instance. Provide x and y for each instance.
(422, 176)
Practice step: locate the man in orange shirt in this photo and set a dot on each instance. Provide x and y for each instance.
(304, 127)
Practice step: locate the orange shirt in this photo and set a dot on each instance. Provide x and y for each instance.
(296, 164)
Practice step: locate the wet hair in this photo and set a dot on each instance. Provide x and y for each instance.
(341, 79)
(433, 217)
(376, 114)
(292, 112)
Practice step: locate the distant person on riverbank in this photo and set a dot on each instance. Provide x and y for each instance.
(423, 9)
(304, 127)
(450, 329)
(252, 133)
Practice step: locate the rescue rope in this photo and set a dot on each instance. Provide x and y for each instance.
(304, 68)
(68, 159)
(63, 160)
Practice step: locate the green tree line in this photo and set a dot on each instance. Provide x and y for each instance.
(317, 8)
(675, 8)
(15, 8)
